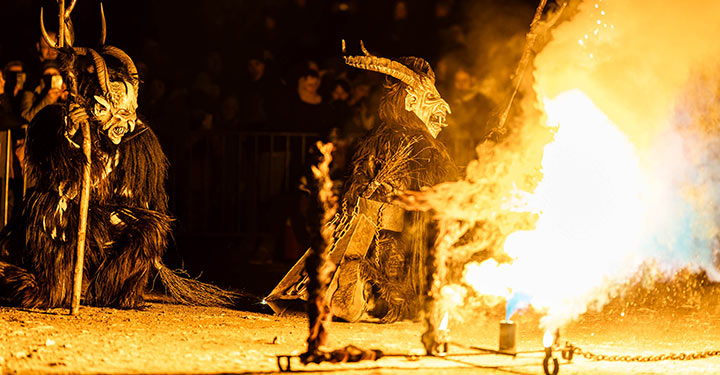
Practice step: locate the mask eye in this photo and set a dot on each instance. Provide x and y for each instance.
(102, 106)
(100, 110)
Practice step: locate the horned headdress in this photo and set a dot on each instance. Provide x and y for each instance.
(66, 39)
(111, 91)
(395, 69)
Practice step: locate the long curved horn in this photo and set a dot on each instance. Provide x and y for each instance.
(126, 60)
(101, 71)
(385, 66)
(428, 70)
(382, 65)
(45, 35)
(104, 25)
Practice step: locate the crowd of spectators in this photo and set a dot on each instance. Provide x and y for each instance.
(271, 66)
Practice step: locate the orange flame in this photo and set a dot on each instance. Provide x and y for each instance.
(569, 235)
(591, 213)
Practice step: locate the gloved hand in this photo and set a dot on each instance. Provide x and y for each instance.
(77, 116)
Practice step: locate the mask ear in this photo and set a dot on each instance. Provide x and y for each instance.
(411, 100)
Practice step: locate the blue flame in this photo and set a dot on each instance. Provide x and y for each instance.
(515, 302)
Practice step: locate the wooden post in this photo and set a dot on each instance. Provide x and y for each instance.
(6, 181)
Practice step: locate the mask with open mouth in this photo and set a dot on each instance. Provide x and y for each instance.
(425, 101)
(422, 97)
(117, 114)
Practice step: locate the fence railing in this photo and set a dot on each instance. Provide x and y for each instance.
(6, 174)
(222, 182)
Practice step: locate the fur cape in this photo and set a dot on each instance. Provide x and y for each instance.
(128, 223)
(394, 158)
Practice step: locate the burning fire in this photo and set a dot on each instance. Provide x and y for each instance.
(590, 214)
(548, 339)
(561, 223)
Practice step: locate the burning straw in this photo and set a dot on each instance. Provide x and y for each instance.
(317, 266)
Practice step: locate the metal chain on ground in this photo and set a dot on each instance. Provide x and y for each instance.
(646, 358)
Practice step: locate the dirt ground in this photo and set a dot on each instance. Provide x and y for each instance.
(172, 339)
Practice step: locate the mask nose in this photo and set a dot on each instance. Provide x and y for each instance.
(446, 107)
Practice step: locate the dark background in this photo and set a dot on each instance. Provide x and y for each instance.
(235, 224)
(179, 33)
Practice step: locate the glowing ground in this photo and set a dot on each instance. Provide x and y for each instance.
(169, 339)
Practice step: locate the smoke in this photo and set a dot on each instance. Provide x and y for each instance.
(651, 67)
(632, 58)
(685, 167)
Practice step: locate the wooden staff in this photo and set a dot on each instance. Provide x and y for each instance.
(536, 28)
(82, 224)
(85, 193)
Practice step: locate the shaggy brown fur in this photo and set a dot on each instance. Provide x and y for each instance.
(128, 223)
(394, 266)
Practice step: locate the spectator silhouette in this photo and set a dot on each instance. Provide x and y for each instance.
(43, 54)
(308, 112)
(15, 79)
(339, 106)
(260, 95)
(51, 90)
(8, 118)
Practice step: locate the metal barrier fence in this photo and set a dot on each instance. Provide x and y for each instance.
(6, 173)
(222, 183)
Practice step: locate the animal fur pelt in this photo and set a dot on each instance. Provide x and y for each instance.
(395, 264)
(128, 223)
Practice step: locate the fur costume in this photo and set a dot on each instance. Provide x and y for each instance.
(128, 224)
(400, 154)
(381, 250)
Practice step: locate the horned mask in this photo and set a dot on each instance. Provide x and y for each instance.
(115, 108)
(422, 97)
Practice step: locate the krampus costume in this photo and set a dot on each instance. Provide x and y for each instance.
(380, 249)
(128, 223)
